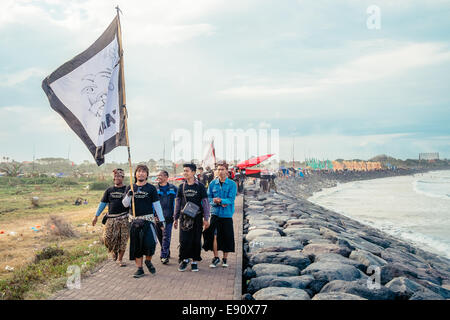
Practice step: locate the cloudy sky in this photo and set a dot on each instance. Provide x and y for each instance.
(314, 70)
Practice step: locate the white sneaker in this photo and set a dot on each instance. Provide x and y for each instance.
(214, 262)
(224, 263)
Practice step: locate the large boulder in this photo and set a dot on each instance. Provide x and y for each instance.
(265, 226)
(327, 233)
(336, 296)
(279, 270)
(396, 255)
(294, 222)
(337, 258)
(305, 237)
(292, 206)
(264, 244)
(291, 257)
(254, 218)
(324, 272)
(395, 270)
(440, 290)
(359, 288)
(425, 295)
(278, 293)
(255, 207)
(318, 240)
(376, 240)
(273, 212)
(355, 242)
(367, 258)
(300, 229)
(255, 233)
(249, 273)
(281, 220)
(298, 282)
(314, 249)
(405, 288)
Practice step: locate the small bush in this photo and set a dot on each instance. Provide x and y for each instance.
(47, 253)
(65, 182)
(58, 226)
(99, 185)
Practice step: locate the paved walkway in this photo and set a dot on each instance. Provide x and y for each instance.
(112, 282)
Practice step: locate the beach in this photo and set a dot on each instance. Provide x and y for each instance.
(295, 249)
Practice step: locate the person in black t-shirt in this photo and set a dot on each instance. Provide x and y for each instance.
(116, 232)
(191, 228)
(142, 231)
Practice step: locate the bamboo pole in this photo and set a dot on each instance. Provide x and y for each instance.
(119, 36)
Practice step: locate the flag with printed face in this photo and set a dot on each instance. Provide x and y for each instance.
(87, 92)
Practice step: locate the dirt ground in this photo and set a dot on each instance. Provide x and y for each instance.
(19, 248)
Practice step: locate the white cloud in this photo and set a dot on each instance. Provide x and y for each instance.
(143, 22)
(29, 120)
(12, 79)
(370, 67)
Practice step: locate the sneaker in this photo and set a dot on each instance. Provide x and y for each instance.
(194, 267)
(139, 273)
(214, 262)
(183, 265)
(164, 260)
(224, 263)
(150, 267)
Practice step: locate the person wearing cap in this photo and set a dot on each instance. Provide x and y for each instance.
(143, 228)
(116, 231)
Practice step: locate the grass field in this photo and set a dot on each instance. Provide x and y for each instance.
(19, 243)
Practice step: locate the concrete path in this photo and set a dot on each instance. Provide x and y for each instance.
(112, 282)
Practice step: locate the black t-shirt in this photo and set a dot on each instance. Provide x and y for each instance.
(194, 193)
(144, 196)
(113, 197)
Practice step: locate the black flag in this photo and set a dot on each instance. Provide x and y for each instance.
(87, 92)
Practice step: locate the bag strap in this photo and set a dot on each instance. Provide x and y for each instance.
(184, 195)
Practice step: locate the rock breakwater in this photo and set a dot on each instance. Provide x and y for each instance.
(294, 249)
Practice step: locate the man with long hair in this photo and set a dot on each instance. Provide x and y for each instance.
(143, 228)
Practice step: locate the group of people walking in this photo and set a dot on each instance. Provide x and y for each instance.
(198, 211)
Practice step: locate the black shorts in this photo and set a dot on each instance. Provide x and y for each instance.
(223, 228)
(142, 240)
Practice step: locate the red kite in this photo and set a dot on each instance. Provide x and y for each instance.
(253, 161)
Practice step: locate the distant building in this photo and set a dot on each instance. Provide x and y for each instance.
(429, 156)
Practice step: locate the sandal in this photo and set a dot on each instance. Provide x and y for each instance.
(114, 256)
(122, 264)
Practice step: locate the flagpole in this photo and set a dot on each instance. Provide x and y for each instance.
(124, 103)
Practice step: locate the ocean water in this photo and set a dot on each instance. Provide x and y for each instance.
(413, 208)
